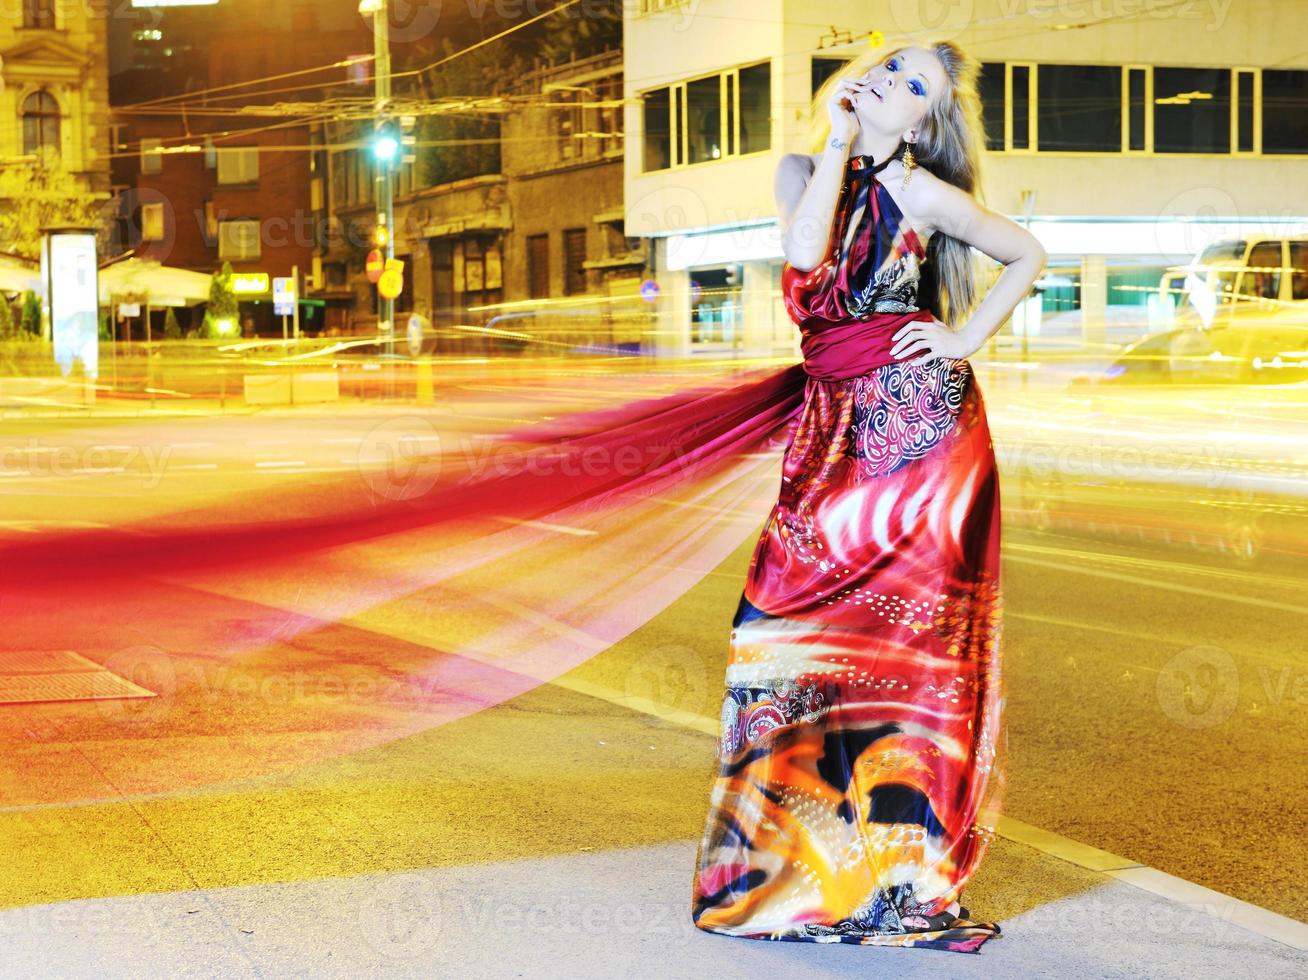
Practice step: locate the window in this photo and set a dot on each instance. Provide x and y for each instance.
(715, 305)
(40, 123)
(538, 266)
(569, 125)
(152, 222)
(1285, 111)
(755, 108)
(610, 117)
(991, 85)
(1020, 106)
(151, 157)
(822, 69)
(723, 115)
(1192, 110)
(238, 240)
(1299, 270)
(703, 128)
(1245, 84)
(574, 254)
(39, 14)
(1137, 81)
(1262, 278)
(658, 130)
(1079, 108)
(238, 165)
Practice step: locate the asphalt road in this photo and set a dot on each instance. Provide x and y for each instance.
(441, 698)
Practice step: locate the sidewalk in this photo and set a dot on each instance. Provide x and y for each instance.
(623, 913)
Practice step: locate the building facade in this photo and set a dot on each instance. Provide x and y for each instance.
(213, 163)
(55, 96)
(527, 248)
(1127, 139)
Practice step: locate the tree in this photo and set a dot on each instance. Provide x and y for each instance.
(172, 329)
(31, 321)
(41, 193)
(6, 318)
(224, 308)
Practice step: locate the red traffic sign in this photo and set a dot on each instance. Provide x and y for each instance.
(376, 265)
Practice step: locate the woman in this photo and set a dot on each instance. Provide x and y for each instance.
(860, 772)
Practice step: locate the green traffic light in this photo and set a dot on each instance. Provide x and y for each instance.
(385, 147)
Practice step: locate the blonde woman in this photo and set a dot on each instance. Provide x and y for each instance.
(859, 764)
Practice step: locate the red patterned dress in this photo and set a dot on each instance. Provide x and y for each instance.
(858, 778)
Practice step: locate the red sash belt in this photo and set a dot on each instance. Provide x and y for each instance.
(835, 351)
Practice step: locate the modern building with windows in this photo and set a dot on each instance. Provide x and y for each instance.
(1128, 139)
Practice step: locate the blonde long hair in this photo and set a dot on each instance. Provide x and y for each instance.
(950, 142)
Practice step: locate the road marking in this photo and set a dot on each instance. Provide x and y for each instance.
(1168, 586)
(285, 462)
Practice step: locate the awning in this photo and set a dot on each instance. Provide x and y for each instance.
(17, 276)
(152, 282)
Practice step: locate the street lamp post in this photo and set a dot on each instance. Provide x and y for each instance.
(385, 147)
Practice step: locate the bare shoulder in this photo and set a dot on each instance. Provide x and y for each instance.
(933, 200)
(794, 170)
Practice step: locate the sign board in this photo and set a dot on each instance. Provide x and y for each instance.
(72, 297)
(129, 309)
(375, 266)
(283, 290)
(249, 283)
(391, 283)
(417, 330)
(649, 290)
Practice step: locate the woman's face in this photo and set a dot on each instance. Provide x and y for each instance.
(904, 85)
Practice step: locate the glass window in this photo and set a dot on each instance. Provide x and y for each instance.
(1285, 111)
(715, 305)
(39, 14)
(574, 254)
(1021, 107)
(1244, 111)
(756, 108)
(1192, 110)
(824, 68)
(703, 128)
(992, 103)
(1263, 277)
(40, 123)
(152, 222)
(731, 114)
(1135, 109)
(238, 240)
(238, 165)
(1080, 108)
(151, 158)
(658, 130)
(1299, 270)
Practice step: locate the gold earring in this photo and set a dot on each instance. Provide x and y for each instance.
(909, 164)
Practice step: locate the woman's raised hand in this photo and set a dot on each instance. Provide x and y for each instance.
(844, 121)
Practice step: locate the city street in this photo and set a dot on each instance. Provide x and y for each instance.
(653, 489)
(434, 700)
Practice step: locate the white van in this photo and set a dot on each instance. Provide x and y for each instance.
(1255, 277)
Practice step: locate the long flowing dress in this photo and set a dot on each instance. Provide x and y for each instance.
(857, 783)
